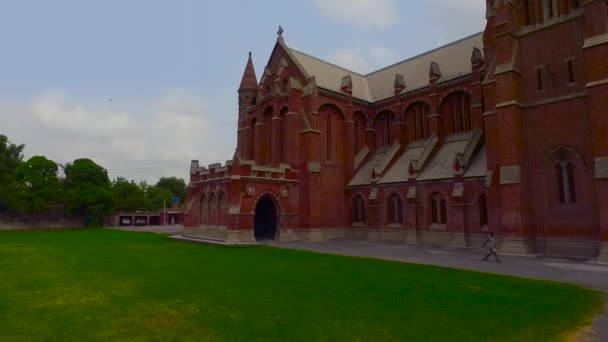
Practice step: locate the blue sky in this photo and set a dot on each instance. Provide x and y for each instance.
(171, 68)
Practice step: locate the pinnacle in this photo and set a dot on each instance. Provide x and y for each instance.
(249, 80)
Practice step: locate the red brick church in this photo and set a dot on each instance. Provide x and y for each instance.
(502, 131)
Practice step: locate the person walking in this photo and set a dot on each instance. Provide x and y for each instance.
(490, 244)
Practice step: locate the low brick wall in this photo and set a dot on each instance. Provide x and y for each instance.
(20, 225)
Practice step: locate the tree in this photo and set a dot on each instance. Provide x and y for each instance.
(128, 196)
(158, 198)
(88, 190)
(176, 186)
(36, 187)
(11, 156)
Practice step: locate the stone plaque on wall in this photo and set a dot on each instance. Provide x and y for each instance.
(458, 190)
(601, 167)
(411, 192)
(373, 194)
(509, 174)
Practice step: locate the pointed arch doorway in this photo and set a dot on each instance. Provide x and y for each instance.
(265, 219)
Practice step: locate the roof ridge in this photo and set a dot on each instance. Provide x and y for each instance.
(424, 53)
(391, 65)
(326, 62)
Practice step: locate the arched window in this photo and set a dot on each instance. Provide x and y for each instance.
(358, 209)
(417, 114)
(220, 205)
(267, 121)
(201, 210)
(526, 12)
(438, 209)
(456, 108)
(332, 127)
(443, 211)
(566, 184)
(210, 208)
(328, 143)
(434, 211)
(283, 135)
(383, 125)
(360, 125)
(549, 9)
(395, 209)
(483, 210)
(254, 121)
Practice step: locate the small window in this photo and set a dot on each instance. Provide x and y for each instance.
(356, 137)
(539, 79)
(566, 184)
(328, 133)
(570, 71)
(559, 173)
(571, 183)
(443, 211)
(526, 12)
(483, 210)
(395, 209)
(438, 210)
(358, 210)
(434, 218)
(550, 11)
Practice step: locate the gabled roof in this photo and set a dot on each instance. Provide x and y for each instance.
(441, 165)
(329, 76)
(364, 175)
(399, 172)
(479, 166)
(454, 60)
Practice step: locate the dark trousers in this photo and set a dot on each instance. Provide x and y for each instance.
(492, 251)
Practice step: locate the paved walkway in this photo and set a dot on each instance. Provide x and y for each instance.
(538, 267)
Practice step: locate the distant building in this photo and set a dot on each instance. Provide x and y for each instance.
(502, 131)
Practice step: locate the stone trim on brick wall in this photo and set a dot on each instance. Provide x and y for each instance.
(509, 174)
(601, 168)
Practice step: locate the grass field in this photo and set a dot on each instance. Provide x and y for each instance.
(113, 285)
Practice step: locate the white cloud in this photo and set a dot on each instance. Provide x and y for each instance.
(351, 59)
(158, 139)
(364, 59)
(383, 55)
(367, 14)
(457, 18)
(464, 4)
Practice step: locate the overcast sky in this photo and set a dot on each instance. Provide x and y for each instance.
(144, 86)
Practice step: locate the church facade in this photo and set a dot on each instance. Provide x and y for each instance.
(502, 131)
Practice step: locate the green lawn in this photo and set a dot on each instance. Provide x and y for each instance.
(114, 285)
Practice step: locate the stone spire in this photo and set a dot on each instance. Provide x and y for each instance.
(249, 80)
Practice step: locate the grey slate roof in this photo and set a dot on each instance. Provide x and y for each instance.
(441, 165)
(364, 175)
(399, 171)
(453, 59)
(479, 166)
